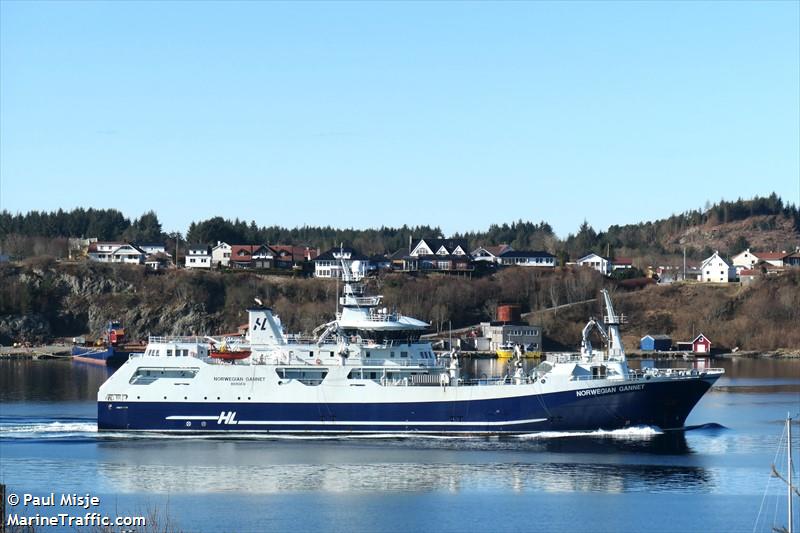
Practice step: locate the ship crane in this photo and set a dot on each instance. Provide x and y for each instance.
(586, 343)
(609, 333)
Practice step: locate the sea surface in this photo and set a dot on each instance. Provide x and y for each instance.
(715, 476)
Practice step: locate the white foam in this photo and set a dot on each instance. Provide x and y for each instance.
(635, 432)
(48, 428)
(89, 429)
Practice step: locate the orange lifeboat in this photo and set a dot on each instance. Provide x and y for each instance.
(230, 355)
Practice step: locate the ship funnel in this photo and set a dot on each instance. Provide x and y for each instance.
(264, 327)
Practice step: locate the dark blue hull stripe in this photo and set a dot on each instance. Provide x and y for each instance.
(662, 404)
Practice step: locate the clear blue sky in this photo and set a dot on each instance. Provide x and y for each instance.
(367, 114)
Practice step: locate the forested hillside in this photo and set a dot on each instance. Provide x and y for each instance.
(764, 223)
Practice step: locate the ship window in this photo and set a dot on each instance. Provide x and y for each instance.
(311, 353)
(403, 354)
(169, 353)
(306, 376)
(145, 376)
(331, 354)
(391, 354)
(367, 354)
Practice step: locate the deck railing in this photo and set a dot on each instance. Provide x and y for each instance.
(176, 339)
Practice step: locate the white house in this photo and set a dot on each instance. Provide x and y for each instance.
(221, 254)
(444, 255)
(744, 261)
(716, 270)
(597, 262)
(525, 258)
(329, 264)
(198, 256)
(116, 252)
(490, 254)
(621, 263)
(128, 253)
(151, 248)
(101, 251)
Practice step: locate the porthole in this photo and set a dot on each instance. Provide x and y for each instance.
(165, 397)
(185, 398)
(217, 397)
(205, 397)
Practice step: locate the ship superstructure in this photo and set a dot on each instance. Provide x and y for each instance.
(368, 371)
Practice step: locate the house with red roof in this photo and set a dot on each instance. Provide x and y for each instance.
(251, 256)
(773, 258)
(288, 256)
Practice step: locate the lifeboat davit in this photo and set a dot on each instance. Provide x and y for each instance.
(230, 355)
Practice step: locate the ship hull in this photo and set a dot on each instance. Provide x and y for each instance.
(664, 404)
(110, 357)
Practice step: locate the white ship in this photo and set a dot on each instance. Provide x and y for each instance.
(368, 371)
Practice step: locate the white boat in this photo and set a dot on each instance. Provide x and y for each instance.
(368, 371)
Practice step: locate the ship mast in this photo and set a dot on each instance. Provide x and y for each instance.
(616, 351)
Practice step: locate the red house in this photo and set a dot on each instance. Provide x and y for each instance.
(701, 344)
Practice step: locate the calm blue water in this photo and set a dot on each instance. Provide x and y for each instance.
(711, 478)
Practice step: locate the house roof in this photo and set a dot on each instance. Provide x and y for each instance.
(149, 244)
(199, 247)
(449, 244)
(701, 336)
(712, 256)
(496, 251)
(526, 253)
(355, 255)
(246, 251)
(658, 336)
(296, 253)
(622, 261)
(749, 272)
(399, 254)
(128, 249)
(771, 256)
(585, 257)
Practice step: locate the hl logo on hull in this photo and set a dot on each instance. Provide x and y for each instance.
(227, 417)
